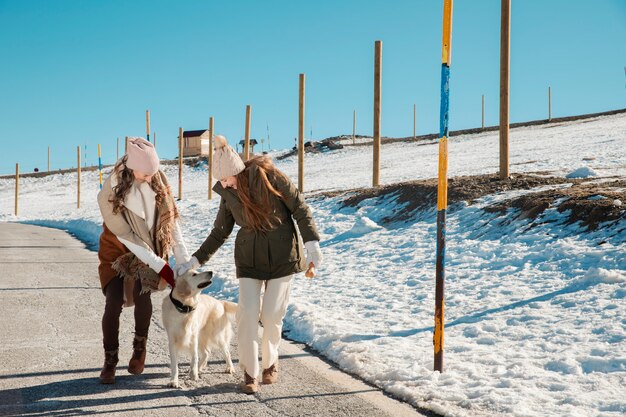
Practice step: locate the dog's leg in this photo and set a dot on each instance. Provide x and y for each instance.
(173, 366)
(229, 363)
(193, 370)
(204, 355)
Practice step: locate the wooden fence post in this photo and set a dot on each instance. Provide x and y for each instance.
(549, 103)
(210, 158)
(180, 163)
(505, 44)
(301, 92)
(353, 127)
(483, 112)
(78, 176)
(378, 48)
(17, 186)
(246, 142)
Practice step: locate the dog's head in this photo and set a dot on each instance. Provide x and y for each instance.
(191, 283)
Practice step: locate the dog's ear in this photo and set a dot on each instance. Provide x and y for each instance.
(206, 278)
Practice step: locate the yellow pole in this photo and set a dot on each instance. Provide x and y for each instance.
(148, 125)
(210, 158)
(442, 186)
(301, 134)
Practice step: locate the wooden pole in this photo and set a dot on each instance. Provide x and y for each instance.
(301, 133)
(48, 158)
(126, 146)
(549, 103)
(442, 186)
(353, 127)
(100, 165)
(505, 44)
(414, 121)
(483, 113)
(148, 125)
(210, 158)
(180, 163)
(246, 142)
(17, 186)
(378, 62)
(78, 176)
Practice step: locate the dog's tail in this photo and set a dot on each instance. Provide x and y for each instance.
(230, 308)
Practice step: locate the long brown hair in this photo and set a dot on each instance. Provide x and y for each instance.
(255, 198)
(125, 180)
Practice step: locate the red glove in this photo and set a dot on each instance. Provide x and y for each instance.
(168, 275)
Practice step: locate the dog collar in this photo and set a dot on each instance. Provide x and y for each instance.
(182, 308)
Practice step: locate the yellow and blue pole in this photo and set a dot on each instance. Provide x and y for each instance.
(148, 125)
(442, 187)
(100, 165)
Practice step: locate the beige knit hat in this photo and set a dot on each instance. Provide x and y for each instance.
(142, 156)
(226, 162)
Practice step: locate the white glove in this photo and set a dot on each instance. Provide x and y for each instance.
(186, 266)
(313, 253)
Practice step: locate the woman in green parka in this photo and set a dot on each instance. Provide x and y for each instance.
(268, 251)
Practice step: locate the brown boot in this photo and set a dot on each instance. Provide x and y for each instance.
(136, 364)
(270, 375)
(107, 376)
(249, 384)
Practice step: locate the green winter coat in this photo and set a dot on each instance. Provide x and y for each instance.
(274, 254)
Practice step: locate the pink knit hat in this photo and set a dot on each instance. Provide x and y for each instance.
(142, 156)
(226, 162)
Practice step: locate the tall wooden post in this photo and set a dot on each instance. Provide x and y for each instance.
(505, 44)
(48, 158)
(100, 165)
(210, 158)
(353, 127)
(148, 125)
(549, 103)
(126, 145)
(78, 176)
(246, 142)
(378, 63)
(301, 133)
(483, 113)
(442, 186)
(180, 163)
(17, 186)
(414, 121)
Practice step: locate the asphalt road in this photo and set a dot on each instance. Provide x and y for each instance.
(51, 351)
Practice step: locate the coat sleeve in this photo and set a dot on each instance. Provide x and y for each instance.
(116, 222)
(222, 227)
(300, 211)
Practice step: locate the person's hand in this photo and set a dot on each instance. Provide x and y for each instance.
(182, 269)
(313, 253)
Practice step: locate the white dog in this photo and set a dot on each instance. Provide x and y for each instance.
(195, 323)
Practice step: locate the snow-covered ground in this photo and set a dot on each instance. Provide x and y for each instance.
(535, 318)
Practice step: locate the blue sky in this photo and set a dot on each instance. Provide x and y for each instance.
(83, 72)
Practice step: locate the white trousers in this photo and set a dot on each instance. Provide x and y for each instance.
(271, 310)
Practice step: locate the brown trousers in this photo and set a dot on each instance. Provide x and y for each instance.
(114, 293)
